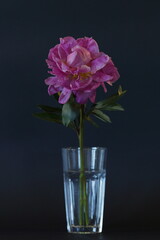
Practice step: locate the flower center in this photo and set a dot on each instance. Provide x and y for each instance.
(82, 76)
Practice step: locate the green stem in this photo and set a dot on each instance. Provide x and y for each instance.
(81, 130)
(83, 195)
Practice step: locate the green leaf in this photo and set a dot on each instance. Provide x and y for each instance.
(70, 111)
(113, 107)
(89, 119)
(50, 109)
(52, 117)
(72, 125)
(110, 101)
(102, 116)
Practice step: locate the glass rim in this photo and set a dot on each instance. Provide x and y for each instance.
(85, 148)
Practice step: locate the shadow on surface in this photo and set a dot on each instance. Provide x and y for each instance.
(105, 236)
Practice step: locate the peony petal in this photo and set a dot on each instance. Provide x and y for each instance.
(80, 84)
(64, 67)
(93, 47)
(68, 43)
(50, 63)
(82, 97)
(110, 83)
(52, 90)
(84, 53)
(62, 53)
(99, 63)
(90, 44)
(58, 72)
(84, 69)
(93, 96)
(53, 52)
(50, 80)
(65, 95)
(104, 87)
(101, 77)
(68, 39)
(92, 86)
(111, 70)
(74, 59)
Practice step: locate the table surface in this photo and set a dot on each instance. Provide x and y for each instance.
(61, 235)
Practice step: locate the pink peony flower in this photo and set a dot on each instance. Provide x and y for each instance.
(79, 68)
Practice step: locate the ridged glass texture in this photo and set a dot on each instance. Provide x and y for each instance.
(84, 210)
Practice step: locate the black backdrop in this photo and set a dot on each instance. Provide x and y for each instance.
(31, 181)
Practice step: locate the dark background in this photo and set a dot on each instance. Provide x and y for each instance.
(31, 181)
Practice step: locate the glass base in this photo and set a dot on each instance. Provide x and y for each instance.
(84, 229)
